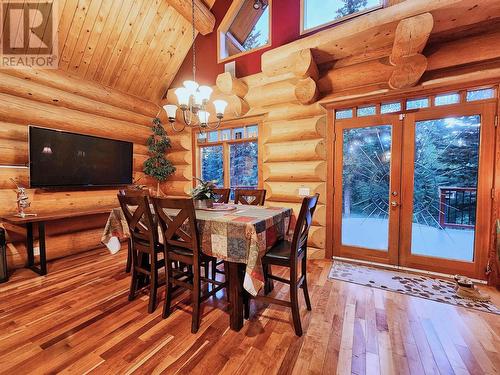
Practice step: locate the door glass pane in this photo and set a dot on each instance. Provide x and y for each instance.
(244, 165)
(445, 185)
(390, 107)
(365, 187)
(417, 103)
(212, 164)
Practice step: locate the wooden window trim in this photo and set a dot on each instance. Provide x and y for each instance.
(225, 149)
(304, 31)
(226, 24)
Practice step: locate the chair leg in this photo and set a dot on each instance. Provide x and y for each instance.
(195, 324)
(134, 280)
(205, 268)
(246, 306)
(214, 269)
(168, 289)
(304, 284)
(295, 306)
(268, 282)
(153, 284)
(128, 267)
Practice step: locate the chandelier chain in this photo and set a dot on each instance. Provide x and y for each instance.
(194, 44)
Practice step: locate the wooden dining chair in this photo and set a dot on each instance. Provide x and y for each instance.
(181, 244)
(132, 193)
(144, 244)
(292, 255)
(222, 195)
(256, 197)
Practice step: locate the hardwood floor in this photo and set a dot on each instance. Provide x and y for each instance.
(78, 320)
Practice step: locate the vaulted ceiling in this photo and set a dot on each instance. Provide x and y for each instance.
(135, 46)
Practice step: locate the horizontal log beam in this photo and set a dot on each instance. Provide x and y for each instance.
(305, 150)
(92, 90)
(289, 191)
(464, 51)
(43, 94)
(296, 171)
(291, 130)
(204, 20)
(15, 109)
(291, 90)
(301, 64)
(376, 32)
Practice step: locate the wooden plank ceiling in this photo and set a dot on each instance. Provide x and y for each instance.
(135, 46)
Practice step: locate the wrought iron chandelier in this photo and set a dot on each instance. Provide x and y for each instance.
(193, 100)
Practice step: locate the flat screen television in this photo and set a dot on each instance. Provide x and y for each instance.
(62, 159)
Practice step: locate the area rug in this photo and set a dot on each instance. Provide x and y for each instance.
(406, 283)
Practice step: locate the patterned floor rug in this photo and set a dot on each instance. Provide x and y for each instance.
(406, 283)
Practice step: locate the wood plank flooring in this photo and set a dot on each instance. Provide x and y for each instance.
(78, 320)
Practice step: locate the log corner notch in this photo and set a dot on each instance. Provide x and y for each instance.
(204, 20)
(410, 39)
(234, 90)
(300, 63)
(230, 85)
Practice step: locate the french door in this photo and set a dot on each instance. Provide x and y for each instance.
(367, 188)
(414, 189)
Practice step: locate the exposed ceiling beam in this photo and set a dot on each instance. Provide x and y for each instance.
(204, 20)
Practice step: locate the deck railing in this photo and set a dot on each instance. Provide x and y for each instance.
(457, 207)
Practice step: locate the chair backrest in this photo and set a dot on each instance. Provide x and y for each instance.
(178, 229)
(135, 192)
(303, 224)
(140, 220)
(222, 195)
(255, 197)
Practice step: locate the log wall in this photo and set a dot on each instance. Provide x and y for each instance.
(56, 100)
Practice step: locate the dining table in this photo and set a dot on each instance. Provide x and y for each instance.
(238, 234)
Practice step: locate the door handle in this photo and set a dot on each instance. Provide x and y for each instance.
(394, 204)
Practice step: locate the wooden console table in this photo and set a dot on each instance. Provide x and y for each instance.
(40, 220)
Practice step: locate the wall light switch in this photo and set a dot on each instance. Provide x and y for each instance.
(304, 192)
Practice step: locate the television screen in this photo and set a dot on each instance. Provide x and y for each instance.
(60, 159)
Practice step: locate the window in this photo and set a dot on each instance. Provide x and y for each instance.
(417, 103)
(245, 28)
(343, 113)
(230, 157)
(447, 99)
(481, 94)
(318, 13)
(390, 107)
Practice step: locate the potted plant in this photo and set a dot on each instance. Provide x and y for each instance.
(203, 194)
(157, 165)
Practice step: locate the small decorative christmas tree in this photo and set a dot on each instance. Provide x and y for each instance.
(158, 166)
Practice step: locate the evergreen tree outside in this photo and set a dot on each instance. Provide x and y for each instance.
(446, 156)
(157, 165)
(351, 6)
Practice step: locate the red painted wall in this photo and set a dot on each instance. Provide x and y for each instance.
(285, 25)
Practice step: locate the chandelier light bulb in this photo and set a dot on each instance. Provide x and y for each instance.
(182, 96)
(198, 98)
(205, 92)
(171, 110)
(204, 117)
(220, 107)
(191, 86)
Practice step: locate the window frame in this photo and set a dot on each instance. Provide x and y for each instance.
(304, 31)
(226, 23)
(226, 149)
